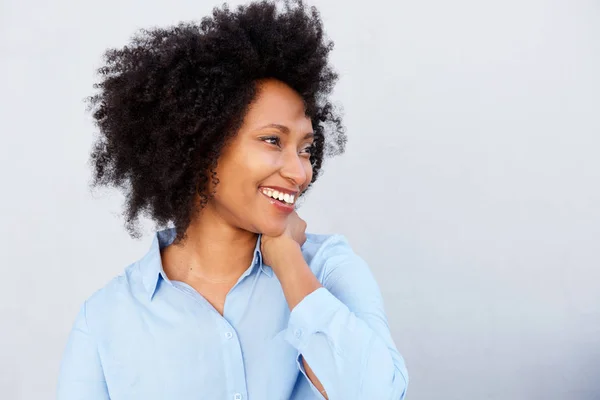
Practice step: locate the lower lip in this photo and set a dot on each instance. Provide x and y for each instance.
(285, 208)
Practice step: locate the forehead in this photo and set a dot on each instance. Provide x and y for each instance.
(277, 103)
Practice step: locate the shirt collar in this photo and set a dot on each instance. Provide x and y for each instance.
(152, 268)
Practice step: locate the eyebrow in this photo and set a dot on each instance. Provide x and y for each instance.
(286, 130)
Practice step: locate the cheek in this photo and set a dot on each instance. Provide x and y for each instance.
(228, 189)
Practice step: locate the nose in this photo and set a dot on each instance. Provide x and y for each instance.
(295, 168)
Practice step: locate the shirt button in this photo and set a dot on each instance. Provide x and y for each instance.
(298, 333)
(237, 396)
(228, 335)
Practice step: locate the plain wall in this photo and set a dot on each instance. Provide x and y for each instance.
(471, 184)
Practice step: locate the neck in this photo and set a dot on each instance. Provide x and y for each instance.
(213, 252)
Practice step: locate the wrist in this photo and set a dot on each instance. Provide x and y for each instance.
(281, 252)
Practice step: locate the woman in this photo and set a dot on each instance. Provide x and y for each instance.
(219, 128)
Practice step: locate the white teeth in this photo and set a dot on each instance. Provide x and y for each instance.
(288, 198)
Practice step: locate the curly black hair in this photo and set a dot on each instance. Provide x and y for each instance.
(167, 102)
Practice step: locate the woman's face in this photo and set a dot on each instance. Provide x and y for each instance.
(269, 157)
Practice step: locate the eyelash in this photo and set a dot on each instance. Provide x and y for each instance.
(278, 143)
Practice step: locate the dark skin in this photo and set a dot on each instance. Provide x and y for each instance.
(271, 149)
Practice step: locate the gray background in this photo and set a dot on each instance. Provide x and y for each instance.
(470, 184)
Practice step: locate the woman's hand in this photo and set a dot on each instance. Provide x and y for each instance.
(275, 248)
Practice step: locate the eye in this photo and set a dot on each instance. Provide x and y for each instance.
(274, 140)
(308, 150)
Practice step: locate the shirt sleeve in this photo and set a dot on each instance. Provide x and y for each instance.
(81, 376)
(342, 332)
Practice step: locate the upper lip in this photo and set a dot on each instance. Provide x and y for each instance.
(291, 192)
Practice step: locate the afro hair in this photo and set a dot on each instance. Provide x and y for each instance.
(167, 103)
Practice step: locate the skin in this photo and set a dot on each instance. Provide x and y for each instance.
(271, 148)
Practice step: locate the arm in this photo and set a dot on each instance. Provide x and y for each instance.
(297, 282)
(81, 376)
(340, 329)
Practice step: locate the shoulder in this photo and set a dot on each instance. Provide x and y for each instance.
(114, 297)
(325, 245)
(328, 252)
(116, 287)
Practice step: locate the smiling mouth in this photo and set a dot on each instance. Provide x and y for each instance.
(281, 197)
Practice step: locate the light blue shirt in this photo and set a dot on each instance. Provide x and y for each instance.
(146, 337)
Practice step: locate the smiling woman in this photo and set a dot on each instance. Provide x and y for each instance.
(267, 162)
(218, 129)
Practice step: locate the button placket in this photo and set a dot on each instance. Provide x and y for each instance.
(234, 362)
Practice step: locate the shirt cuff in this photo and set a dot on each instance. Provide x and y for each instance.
(313, 314)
